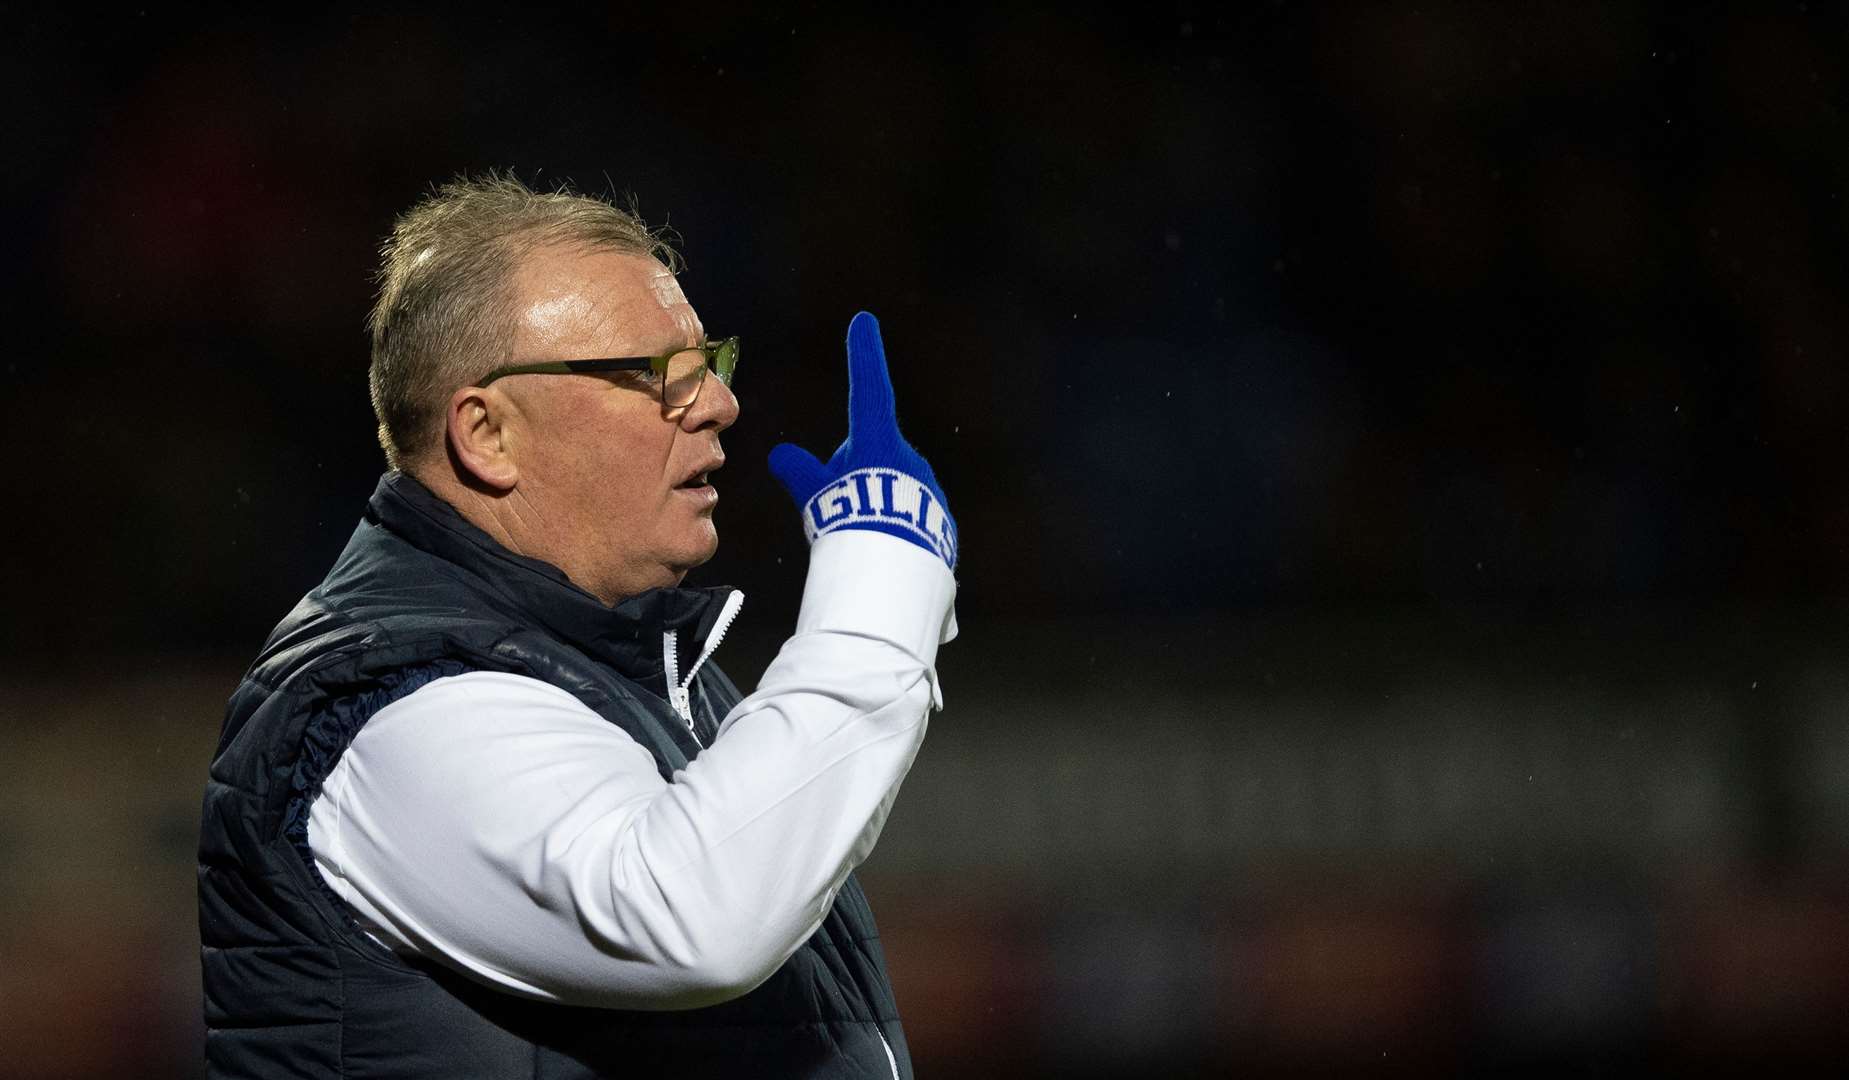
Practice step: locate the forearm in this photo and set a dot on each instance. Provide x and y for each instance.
(735, 864)
(756, 836)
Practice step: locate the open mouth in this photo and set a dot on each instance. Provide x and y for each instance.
(696, 481)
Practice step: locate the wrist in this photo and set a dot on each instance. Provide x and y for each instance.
(871, 583)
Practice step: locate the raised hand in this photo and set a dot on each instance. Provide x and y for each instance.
(874, 480)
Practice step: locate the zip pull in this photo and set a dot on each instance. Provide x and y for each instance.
(671, 675)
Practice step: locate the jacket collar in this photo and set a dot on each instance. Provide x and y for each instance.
(628, 635)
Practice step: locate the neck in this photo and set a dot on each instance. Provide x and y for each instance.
(491, 512)
(514, 522)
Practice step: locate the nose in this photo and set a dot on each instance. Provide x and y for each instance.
(716, 407)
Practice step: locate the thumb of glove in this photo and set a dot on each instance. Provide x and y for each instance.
(798, 471)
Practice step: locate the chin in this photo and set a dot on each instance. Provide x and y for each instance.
(697, 552)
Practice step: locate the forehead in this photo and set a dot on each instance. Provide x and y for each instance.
(574, 303)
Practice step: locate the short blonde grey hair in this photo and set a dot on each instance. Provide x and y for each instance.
(445, 311)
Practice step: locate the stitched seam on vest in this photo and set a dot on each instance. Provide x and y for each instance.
(340, 996)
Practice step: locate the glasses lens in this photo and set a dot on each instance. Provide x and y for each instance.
(682, 382)
(726, 361)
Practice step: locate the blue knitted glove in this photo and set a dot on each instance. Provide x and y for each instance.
(875, 480)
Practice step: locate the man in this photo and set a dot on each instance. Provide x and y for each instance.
(484, 806)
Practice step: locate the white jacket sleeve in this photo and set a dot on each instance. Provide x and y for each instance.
(494, 823)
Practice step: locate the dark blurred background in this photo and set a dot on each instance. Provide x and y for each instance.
(1397, 450)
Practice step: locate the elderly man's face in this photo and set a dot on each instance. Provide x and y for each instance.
(614, 482)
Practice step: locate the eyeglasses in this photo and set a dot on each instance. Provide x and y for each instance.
(679, 373)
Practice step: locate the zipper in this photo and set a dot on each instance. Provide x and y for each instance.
(680, 689)
(886, 1046)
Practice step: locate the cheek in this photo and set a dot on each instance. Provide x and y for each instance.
(622, 446)
(624, 475)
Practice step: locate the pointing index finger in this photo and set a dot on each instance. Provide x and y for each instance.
(869, 385)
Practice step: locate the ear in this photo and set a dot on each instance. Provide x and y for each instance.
(476, 423)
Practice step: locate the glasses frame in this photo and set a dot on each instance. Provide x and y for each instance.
(721, 360)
